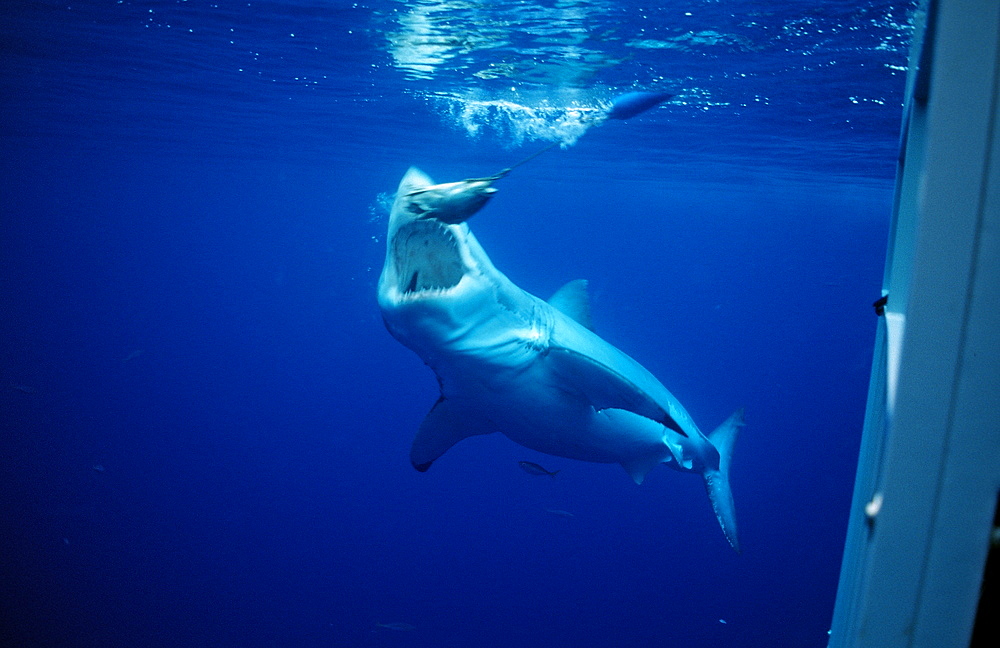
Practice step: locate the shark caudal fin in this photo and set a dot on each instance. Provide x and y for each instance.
(717, 481)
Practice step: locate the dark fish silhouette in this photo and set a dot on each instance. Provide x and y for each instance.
(535, 469)
(401, 627)
(133, 355)
(560, 513)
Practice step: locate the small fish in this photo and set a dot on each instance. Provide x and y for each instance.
(534, 469)
(135, 354)
(722, 621)
(560, 513)
(401, 627)
(24, 389)
(98, 468)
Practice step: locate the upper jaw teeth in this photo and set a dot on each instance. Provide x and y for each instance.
(427, 258)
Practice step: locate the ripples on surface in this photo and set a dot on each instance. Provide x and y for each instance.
(763, 83)
(762, 77)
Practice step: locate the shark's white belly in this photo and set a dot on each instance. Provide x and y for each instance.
(543, 417)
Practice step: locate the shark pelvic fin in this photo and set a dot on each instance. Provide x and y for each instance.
(606, 388)
(446, 424)
(637, 469)
(572, 300)
(717, 481)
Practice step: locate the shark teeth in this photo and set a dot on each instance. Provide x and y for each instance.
(427, 258)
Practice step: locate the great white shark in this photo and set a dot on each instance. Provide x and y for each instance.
(509, 362)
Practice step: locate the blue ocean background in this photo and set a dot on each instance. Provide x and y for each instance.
(204, 426)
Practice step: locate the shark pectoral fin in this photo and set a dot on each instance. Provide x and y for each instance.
(446, 424)
(573, 301)
(606, 388)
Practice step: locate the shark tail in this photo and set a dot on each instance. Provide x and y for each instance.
(717, 481)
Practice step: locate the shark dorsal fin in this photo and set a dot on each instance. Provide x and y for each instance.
(572, 300)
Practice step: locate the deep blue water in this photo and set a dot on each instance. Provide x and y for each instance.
(204, 426)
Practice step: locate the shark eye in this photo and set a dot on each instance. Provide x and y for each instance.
(426, 257)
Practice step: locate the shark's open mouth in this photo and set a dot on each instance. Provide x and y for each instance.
(427, 257)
